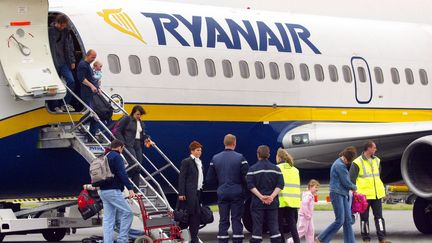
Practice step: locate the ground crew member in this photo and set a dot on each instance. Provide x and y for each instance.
(365, 173)
(289, 197)
(265, 181)
(228, 170)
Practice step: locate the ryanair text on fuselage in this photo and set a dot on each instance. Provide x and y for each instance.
(261, 41)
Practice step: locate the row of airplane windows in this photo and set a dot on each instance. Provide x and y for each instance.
(305, 74)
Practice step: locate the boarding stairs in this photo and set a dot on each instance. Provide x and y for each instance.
(76, 136)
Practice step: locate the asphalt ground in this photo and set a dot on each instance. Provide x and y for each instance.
(400, 229)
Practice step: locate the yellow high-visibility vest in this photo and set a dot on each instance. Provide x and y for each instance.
(368, 180)
(290, 195)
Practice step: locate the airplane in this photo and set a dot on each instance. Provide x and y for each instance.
(311, 84)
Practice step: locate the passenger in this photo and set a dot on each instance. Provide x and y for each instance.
(97, 70)
(131, 130)
(265, 181)
(340, 185)
(228, 169)
(306, 226)
(191, 180)
(365, 173)
(62, 51)
(289, 197)
(89, 86)
(112, 197)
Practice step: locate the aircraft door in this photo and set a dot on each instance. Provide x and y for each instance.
(25, 55)
(362, 80)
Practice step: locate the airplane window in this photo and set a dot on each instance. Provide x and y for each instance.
(346, 70)
(173, 66)
(319, 73)
(259, 70)
(155, 67)
(379, 75)
(289, 71)
(274, 70)
(210, 67)
(395, 75)
(244, 69)
(114, 63)
(409, 76)
(192, 66)
(362, 74)
(227, 68)
(135, 64)
(423, 77)
(333, 73)
(304, 71)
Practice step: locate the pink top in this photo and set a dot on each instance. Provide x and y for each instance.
(307, 205)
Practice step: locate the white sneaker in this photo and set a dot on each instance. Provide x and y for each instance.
(58, 109)
(68, 107)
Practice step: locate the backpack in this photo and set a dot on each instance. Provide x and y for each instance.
(116, 125)
(102, 107)
(359, 203)
(89, 203)
(100, 171)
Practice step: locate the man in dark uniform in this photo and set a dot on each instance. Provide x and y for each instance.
(89, 86)
(265, 181)
(228, 169)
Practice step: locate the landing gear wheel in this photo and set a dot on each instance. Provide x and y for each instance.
(143, 239)
(54, 235)
(422, 216)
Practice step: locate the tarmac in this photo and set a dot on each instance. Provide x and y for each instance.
(399, 224)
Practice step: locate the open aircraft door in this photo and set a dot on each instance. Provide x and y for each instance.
(25, 56)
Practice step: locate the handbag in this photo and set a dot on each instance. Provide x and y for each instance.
(206, 216)
(180, 213)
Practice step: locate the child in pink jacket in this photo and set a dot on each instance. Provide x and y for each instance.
(305, 226)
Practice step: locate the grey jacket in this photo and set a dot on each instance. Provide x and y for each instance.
(68, 50)
(126, 131)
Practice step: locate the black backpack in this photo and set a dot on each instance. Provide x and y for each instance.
(102, 107)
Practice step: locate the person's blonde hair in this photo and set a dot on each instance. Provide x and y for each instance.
(313, 183)
(229, 140)
(284, 156)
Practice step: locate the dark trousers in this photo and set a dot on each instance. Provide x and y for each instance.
(235, 208)
(94, 125)
(270, 216)
(376, 206)
(136, 151)
(195, 220)
(288, 219)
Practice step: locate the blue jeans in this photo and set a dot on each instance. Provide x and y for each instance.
(114, 204)
(342, 210)
(133, 233)
(65, 72)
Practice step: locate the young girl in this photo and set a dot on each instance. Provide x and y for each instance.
(305, 223)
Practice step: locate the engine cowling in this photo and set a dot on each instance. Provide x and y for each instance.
(416, 166)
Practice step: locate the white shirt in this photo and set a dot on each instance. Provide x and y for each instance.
(138, 130)
(200, 172)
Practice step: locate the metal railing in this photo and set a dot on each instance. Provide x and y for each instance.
(158, 171)
(92, 115)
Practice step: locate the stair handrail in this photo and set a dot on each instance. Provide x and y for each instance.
(154, 145)
(137, 163)
(172, 165)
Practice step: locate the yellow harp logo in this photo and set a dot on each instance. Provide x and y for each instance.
(121, 21)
